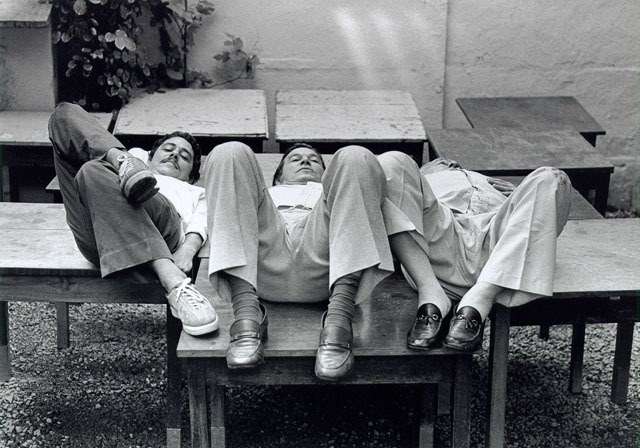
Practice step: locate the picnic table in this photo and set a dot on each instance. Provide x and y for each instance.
(537, 113)
(24, 142)
(212, 116)
(517, 152)
(380, 120)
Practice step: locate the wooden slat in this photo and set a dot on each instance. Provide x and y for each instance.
(30, 128)
(210, 113)
(534, 113)
(347, 116)
(24, 13)
(515, 150)
(598, 257)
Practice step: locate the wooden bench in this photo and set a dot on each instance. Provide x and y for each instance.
(40, 263)
(380, 349)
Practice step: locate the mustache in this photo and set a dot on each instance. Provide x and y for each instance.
(171, 159)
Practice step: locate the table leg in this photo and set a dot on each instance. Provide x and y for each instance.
(196, 370)
(622, 362)
(174, 383)
(62, 324)
(498, 360)
(461, 412)
(601, 187)
(5, 360)
(577, 358)
(217, 405)
(426, 406)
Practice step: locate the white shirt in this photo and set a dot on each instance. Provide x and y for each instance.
(188, 200)
(294, 202)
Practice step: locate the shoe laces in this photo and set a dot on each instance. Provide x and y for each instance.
(186, 292)
(126, 163)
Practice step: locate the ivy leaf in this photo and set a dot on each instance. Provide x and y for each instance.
(123, 41)
(95, 2)
(55, 37)
(80, 7)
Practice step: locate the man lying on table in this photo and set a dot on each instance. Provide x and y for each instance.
(119, 222)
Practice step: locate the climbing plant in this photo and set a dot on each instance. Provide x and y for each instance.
(100, 55)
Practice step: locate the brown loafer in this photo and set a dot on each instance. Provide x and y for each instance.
(465, 331)
(334, 359)
(246, 348)
(429, 328)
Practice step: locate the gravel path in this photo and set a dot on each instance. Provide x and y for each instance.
(107, 390)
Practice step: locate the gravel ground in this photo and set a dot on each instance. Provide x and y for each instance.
(107, 390)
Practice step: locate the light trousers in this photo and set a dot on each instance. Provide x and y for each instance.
(344, 233)
(513, 246)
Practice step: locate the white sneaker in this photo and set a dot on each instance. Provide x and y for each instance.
(193, 309)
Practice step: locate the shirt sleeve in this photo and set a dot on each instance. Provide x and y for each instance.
(198, 222)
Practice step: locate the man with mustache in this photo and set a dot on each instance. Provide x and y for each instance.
(138, 220)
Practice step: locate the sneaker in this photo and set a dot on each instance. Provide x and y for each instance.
(137, 183)
(193, 309)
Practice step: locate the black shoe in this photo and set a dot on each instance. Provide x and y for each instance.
(429, 328)
(465, 331)
(334, 359)
(246, 348)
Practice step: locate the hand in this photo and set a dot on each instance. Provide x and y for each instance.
(503, 186)
(183, 256)
(183, 259)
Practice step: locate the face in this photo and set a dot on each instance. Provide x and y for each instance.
(439, 164)
(301, 165)
(174, 158)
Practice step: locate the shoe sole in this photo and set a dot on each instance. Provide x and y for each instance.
(140, 188)
(202, 329)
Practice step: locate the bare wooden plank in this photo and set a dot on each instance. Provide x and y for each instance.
(516, 151)
(598, 256)
(535, 113)
(30, 128)
(24, 13)
(225, 113)
(347, 116)
(24, 215)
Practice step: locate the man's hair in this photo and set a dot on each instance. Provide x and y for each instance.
(197, 153)
(277, 176)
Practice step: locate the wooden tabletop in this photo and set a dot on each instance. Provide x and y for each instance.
(30, 128)
(534, 113)
(24, 13)
(516, 151)
(226, 113)
(347, 116)
(37, 238)
(586, 250)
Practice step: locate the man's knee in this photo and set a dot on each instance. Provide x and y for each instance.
(394, 161)
(550, 176)
(229, 151)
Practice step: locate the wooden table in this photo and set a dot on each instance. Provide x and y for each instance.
(39, 262)
(24, 142)
(542, 113)
(381, 357)
(212, 116)
(380, 120)
(517, 152)
(597, 280)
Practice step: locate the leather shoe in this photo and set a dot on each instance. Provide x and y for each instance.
(429, 328)
(334, 359)
(246, 348)
(465, 331)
